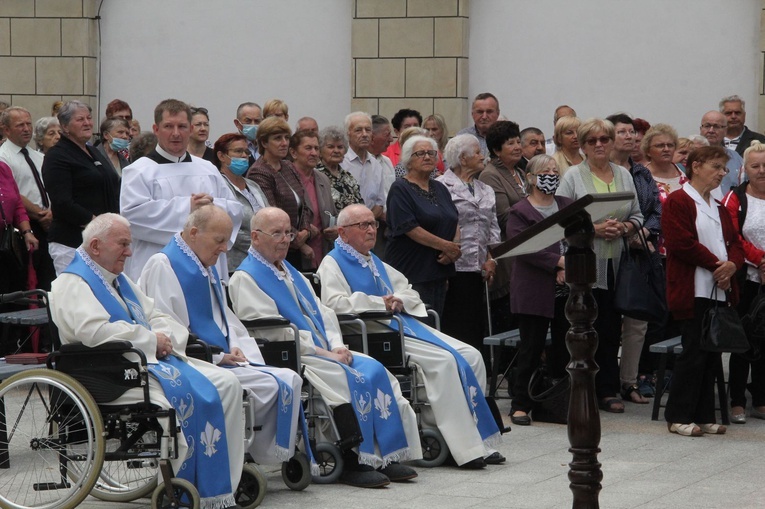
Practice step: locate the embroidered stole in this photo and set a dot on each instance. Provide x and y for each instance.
(195, 281)
(373, 280)
(367, 379)
(194, 398)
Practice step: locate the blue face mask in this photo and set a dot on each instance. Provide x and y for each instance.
(239, 165)
(250, 131)
(118, 144)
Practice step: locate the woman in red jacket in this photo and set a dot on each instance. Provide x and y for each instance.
(703, 254)
(746, 205)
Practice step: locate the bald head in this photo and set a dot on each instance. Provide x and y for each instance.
(714, 125)
(270, 231)
(207, 232)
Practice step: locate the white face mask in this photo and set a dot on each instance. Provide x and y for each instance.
(548, 182)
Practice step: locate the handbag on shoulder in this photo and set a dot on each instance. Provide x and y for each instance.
(640, 284)
(721, 328)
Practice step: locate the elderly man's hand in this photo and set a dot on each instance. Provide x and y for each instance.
(198, 200)
(234, 358)
(164, 345)
(342, 354)
(393, 304)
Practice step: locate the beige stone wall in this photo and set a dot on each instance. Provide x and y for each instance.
(48, 52)
(411, 54)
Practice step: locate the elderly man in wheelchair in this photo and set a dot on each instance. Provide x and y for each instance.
(183, 282)
(266, 285)
(93, 303)
(354, 280)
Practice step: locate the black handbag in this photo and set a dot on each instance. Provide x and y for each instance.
(640, 285)
(551, 397)
(721, 329)
(754, 326)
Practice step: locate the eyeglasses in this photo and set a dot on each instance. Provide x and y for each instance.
(604, 140)
(279, 236)
(623, 132)
(364, 225)
(669, 146)
(423, 153)
(203, 111)
(716, 127)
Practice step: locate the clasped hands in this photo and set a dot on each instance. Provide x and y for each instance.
(723, 274)
(450, 253)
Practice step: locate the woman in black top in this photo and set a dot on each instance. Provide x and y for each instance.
(81, 183)
(423, 238)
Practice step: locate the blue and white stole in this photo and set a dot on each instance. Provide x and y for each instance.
(371, 278)
(195, 280)
(367, 379)
(199, 410)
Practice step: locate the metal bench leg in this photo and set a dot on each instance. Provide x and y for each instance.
(721, 393)
(494, 371)
(659, 386)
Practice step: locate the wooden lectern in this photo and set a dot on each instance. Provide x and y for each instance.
(575, 224)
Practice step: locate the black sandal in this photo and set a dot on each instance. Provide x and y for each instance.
(629, 390)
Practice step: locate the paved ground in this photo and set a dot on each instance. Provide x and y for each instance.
(644, 466)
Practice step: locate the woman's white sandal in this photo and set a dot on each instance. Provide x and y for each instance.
(713, 429)
(686, 430)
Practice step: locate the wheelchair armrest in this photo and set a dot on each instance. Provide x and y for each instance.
(262, 341)
(269, 321)
(110, 347)
(375, 315)
(347, 317)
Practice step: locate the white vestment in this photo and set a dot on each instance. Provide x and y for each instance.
(329, 379)
(437, 368)
(156, 199)
(80, 317)
(159, 281)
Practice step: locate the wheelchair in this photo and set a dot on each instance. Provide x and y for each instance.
(341, 424)
(61, 440)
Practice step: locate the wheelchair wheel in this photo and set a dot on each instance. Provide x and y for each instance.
(330, 461)
(434, 448)
(48, 424)
(185, 493)
(252, 487)
(296, 472)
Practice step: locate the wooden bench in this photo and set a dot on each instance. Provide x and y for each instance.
(507, 339)
(674, 346)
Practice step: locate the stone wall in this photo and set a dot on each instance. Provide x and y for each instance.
(48, 51)
(411, 53)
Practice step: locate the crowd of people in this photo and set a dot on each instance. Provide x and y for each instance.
(392, 225)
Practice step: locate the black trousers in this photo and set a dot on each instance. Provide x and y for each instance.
(465, 316)
(692, 398)
(533, 330)
(739, 366)
(41, 260)
(608, 325)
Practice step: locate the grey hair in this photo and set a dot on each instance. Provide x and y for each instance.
(200, 217)
(535, 165)
(697, 138)
(5, 116)
(41, 127)
(458, 146)
(100, 226)
(408, 148)
(350, 116)
(245, 105)
(68, 109)
(332, 133)
(732, 99)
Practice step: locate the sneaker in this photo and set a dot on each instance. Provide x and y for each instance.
(645, 386)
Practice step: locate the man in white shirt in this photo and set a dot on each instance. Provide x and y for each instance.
(93, 302)
(183, 282)
(362, 165)
(26, 165)
(160, 190)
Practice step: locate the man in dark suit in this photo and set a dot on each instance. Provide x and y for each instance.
(738, 136)
(532, 144)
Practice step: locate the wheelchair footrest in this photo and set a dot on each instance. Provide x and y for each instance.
(50, 486)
